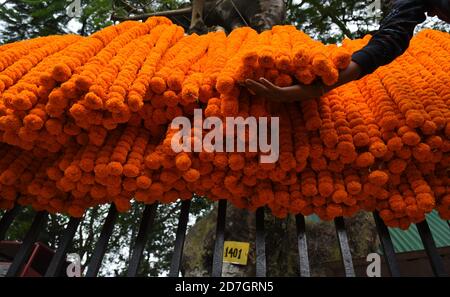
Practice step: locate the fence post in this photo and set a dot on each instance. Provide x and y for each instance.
(302, 246)
(59, 258)
(430, 247)
(179, 241)
(220, 238)
(387, 245)
(7, 220)
(145, 227)
(102, 243)
(344, 247)
(27, 245)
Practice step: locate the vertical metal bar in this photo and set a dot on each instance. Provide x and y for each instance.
(220, 237)
(145, 227)
(54, 269)
(179, 241)
(260, 241)
(344, 247)
(28, 243)
(102, 243)
(302, 246)
(387, 245)
(7, 220)
(430, 247)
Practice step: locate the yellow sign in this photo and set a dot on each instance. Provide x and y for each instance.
(235, 252)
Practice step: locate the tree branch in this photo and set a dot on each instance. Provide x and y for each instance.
(334, 18)
(169, 214)
(4, 3)
(144, 16)
(129, 7)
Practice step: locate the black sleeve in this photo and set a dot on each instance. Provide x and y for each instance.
(393, 37)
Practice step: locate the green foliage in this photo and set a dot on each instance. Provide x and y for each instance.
(157, 253)
(95, 15)
(20, 225)
(327, 20)
(330, 21)
(30, 18)
(22, 19)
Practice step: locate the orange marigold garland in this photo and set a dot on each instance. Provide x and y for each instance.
(85, 121)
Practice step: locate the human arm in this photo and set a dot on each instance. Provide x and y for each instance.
(393, 37)
(297, 92)
(391, 40)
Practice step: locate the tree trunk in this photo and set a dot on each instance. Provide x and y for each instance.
(281, 244)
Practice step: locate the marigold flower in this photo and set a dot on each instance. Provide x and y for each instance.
(411, 138)
(115, 168)
(183, 162)
(88, 117)
(143, 182)
(378, 177)
(365, 160)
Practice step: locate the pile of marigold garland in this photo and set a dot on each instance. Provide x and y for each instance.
(85, 121)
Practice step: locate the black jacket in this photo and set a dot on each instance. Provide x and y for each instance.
(394, 35)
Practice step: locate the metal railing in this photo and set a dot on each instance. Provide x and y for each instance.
(146, 224)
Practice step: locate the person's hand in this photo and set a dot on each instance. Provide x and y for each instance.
(268, 90)
(294, 93)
